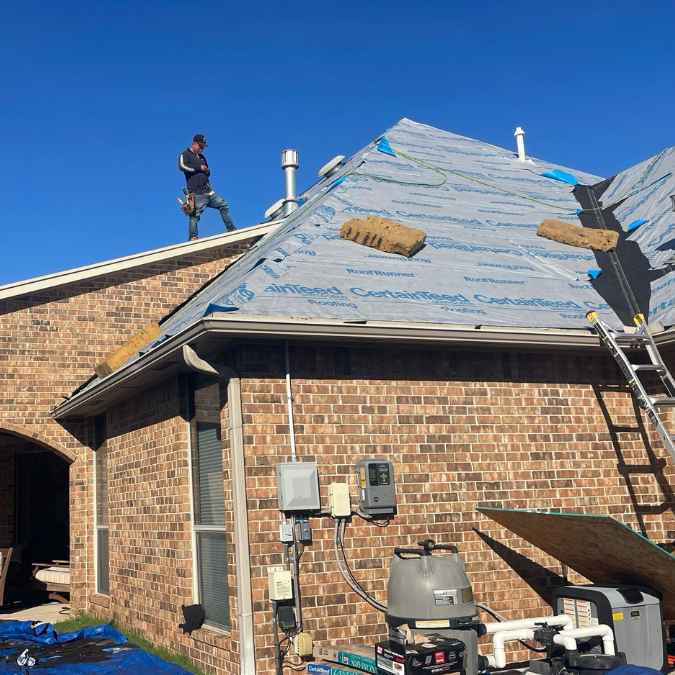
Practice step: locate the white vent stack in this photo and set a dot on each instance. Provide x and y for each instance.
(520, 143)
(289, 164)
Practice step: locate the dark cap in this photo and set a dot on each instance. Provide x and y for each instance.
(200, 138)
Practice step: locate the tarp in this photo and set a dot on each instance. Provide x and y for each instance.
(94, 650)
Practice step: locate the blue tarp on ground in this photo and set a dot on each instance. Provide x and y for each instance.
(96, 650)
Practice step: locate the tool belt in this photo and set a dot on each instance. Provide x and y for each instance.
(188, 207)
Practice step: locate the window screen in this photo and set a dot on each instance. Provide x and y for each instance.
(209, 503)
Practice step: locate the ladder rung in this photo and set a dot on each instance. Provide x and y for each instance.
(634, 340)
(625, 430)
(647, 367)
(663, 402)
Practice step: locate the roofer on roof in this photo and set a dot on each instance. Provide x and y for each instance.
(196, 169)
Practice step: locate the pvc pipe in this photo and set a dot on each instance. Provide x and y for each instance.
(520, 143)
(498, 659)
(499, 626)
(569, 636)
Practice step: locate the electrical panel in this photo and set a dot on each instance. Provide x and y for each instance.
(280, 583)
(377, 491)
(298, 487)
(338, 497)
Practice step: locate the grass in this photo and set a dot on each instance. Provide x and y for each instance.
(135, 640)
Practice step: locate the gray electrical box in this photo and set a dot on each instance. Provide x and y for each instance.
(298, 487)
(632, 612)
(377, 492)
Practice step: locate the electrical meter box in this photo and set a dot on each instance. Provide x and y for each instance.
(298, 487)
(377, 492)
(632, 612)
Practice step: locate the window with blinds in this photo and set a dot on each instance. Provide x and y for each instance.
(209, 504)
(102, 506)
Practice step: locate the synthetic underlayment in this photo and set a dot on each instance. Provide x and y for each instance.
(482, 264)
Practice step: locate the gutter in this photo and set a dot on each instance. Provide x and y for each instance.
(223, 325)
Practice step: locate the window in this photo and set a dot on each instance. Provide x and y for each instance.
(102, 506)
(209, 503)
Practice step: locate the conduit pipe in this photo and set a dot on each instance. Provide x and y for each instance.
(289, 404)
(561, 620)
(569, 636)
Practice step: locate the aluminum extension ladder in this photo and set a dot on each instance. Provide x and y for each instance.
(642, 342)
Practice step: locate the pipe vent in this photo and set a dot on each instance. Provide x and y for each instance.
(290, 162)
(520, 143)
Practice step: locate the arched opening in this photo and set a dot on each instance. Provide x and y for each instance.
(34, 521)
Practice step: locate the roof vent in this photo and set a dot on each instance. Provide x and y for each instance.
(331, 165)
(672, 201)
(290, 163)
(520, 143)
(274, 210)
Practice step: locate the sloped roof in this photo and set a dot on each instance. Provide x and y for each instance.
(482, 264)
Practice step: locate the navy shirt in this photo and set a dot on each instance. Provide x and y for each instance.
(190, 163)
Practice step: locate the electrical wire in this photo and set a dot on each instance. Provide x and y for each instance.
(500, 618)
(343, 566)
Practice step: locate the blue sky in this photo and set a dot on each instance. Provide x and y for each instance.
(97, 99)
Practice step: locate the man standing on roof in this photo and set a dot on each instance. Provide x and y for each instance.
(194, 166)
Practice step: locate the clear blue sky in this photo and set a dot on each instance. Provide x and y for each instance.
(97, 99)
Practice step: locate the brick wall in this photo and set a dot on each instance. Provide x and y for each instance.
(50, 342)
(462, 428)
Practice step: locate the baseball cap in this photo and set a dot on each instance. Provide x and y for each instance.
(200, 138)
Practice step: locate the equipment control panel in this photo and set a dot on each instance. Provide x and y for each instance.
(377, 491)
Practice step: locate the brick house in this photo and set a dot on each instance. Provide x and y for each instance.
(477, 396)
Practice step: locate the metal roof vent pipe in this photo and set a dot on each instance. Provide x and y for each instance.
(520, 143)
(289, 164)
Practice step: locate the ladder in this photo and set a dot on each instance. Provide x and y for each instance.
(642, 341)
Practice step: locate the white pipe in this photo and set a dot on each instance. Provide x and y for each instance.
(569, 636)
(498, 659)
(498, 626)
(289, 404)
(520, 143)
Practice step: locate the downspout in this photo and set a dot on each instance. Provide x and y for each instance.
(241, 543)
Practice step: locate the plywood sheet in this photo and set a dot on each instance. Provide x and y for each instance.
(598, 547)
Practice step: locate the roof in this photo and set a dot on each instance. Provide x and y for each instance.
(482, 264)
(482, 269)
(49, 281)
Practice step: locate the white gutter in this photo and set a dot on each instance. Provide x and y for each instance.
(19, 288)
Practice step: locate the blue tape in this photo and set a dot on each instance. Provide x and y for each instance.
(594, 273)
(562, 176)
(383, 146)
(636, 223)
